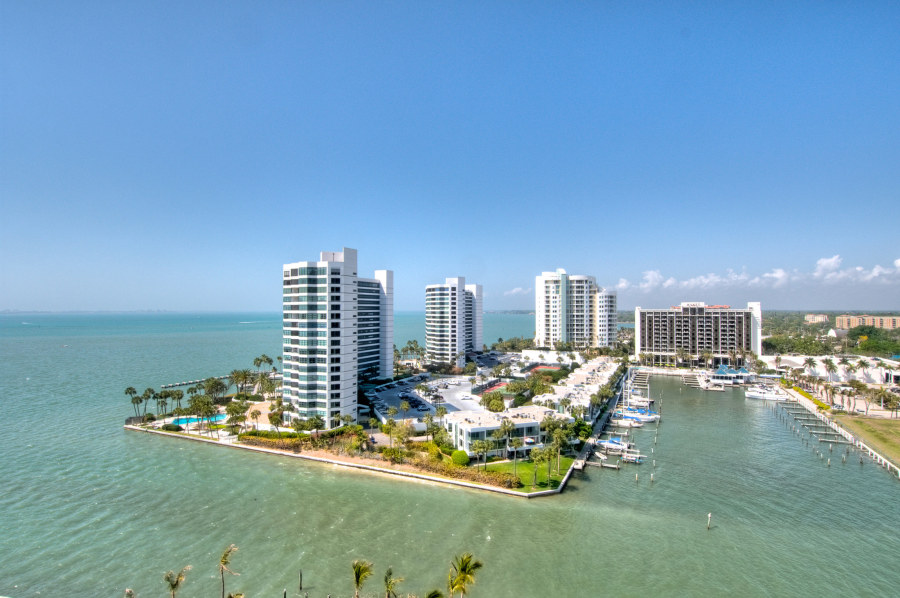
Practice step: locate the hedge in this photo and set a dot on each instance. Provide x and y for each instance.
(491, 478)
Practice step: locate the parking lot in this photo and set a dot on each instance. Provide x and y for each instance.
(455, 391)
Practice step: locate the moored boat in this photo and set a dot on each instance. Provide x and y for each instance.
(766, 393)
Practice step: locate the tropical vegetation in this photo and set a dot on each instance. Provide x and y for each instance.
(461, 577)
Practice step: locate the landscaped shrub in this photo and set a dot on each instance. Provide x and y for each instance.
(293, 444)
(434, 452)
(269, 434)
(172, 428)
(460, 458)
(469, 474)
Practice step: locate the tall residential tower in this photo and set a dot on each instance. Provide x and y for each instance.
(572, 309)
(337, 327)
(453, 321)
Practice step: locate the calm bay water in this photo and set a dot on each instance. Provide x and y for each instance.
(88, 509)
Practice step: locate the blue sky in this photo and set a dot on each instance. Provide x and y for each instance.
(172, 155)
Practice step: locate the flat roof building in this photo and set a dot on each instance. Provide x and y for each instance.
(465, 427)
(847, 322)
(336, 328)
(453, 321)
(727, 334)
(573, 309)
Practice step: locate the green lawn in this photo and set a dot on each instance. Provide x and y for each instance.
(883, 435)
(525, 471)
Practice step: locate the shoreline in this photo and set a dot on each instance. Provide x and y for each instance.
(407, 475)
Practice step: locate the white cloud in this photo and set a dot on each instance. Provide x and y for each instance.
(778, 277)
(516, 291)
(652, 279)
(827, 266)
(827, 271)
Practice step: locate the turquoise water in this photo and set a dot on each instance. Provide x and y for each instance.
(89, 509)
(179, 421)
(409, 325)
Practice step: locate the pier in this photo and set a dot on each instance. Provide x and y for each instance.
(805, 414)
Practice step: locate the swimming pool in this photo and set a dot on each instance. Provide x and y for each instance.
(180, 421)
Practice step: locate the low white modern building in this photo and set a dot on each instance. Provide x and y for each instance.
(336, 327)
(573, 309)
(465, 427)
(453, 321)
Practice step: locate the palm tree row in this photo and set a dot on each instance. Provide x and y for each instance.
(461, 577)
(463, 569)
(262, 381)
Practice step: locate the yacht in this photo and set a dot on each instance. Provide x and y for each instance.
(766, 393)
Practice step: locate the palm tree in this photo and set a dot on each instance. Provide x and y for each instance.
(390, 583)
(255, 415)
(863, 366)
(844, 363)
(174, 580)
(516, 443)
(240, 378)
(538, 456)
(830, 367)
(481, 447)
(681, 354)
(275, 422)
(361, 571)
(132, 392)
(810, 363)
(560, 438)
(441, 412)
(391, 412)
(224, 562)
(404, 407)
(434, 594)
(462, 573)
(147, 397)
(315, 423)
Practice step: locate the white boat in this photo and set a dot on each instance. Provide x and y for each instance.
(613, 444)
(626, 423)
(637, 402)
(766, 393)
(641, 415)
(600, 456)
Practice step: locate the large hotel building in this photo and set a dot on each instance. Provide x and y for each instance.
(337, 327)
(453, 321)
(697, 328)
(572, 309)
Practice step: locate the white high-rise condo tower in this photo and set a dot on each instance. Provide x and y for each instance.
(572, 309)
(453, 321)
(337, 327)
